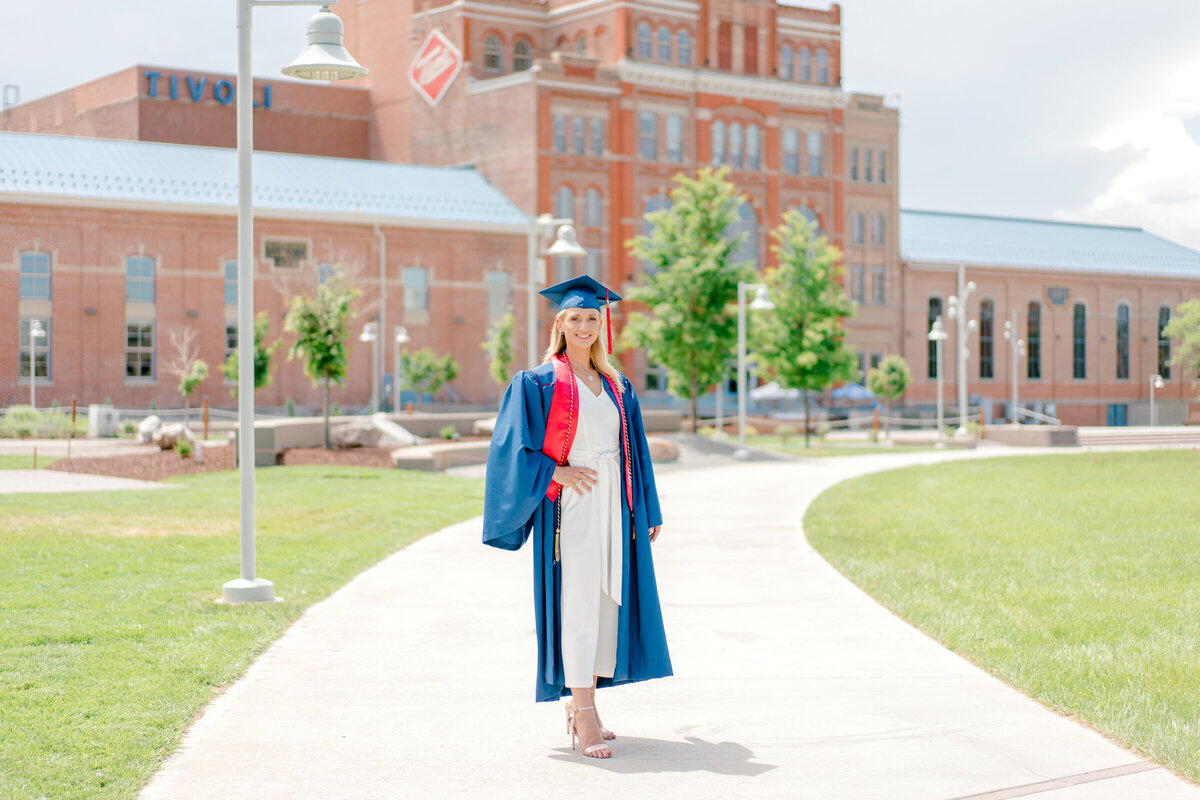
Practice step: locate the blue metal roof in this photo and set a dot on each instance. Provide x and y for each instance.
(80, 169)
(938, 237)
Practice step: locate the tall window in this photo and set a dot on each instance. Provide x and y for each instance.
(868, 165)
(933, 311)
(643, 40)
(231, 283)
(597, 136)
(810, 216)
(499, 293)
(785, 63)
(591, 263)
(675, 137)
(1033, 341)
(1079, 342)
(878, 230)
(560, 133)
(816, 154)
(1122, 341)
(522, 55)
(987, 340)
(581, 45)
(747, 223)
(853, 163)
(41, 349)
(878, 286)
(649, 135)
(856, 284)
(492, 59)
(753, 161)
(804, 65)
(664, 44)
(139, 279)
(822, 66)
(564, 206)
(416, 289)
(139, 350)
(791, 151)
(735, 145)
(683, 47)
(1164, 344)
(856, 228)
(718, 142)
(578, 134)
(230, 340)
(35, 275)
(883, 166)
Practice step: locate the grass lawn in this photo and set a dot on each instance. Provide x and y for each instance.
(110, 641)
(794, 446)
(24, 462)
(1075, 578)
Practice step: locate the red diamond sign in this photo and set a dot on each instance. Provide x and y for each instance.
(437, 64)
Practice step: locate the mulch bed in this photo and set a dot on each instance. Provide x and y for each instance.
(149, 466)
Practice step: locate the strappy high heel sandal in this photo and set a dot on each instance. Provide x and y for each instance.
(569, 707)
(596, 750)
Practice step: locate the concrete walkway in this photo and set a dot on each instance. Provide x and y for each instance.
(42, 481)
(416, 680)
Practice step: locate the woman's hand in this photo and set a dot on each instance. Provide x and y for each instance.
(581, 479)
(654, 532)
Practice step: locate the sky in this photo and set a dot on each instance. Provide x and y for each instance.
(1080, 110)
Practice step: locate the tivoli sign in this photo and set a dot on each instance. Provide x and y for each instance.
(435, 67)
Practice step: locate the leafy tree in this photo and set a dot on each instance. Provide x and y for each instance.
(889, 380)
(262, 356)
(690, 283)
(499, 347)
(1184, 328)
(186, 365)
(803, 342)
(426, 372)
(319, 322)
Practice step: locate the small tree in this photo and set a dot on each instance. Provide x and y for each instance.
(319, 322)
(499, 347)
(1184, 328)
(186, 365)
(425, 372)
(691, 283)
(803, 342)
(262, 356)
(889, 380)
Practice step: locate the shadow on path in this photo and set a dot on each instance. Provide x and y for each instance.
(633, 755)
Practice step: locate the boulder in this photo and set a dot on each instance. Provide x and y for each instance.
(167, 436)
(147, 427)
(355, 434)
(662, 450)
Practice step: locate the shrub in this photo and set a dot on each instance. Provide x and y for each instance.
(706, 430)
(784, 432)
(20, 422)
(291, 407)
(448, 432)
(129, 428)
(183, 447)
(751, 430)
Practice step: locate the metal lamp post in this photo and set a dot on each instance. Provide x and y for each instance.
(938, 335)
(402, 338)
(565, 244)
(324, 59)
(957, 311)
(35, 332)
(1156, 382)
(761, 302)
(1018, 352)
(370, 333)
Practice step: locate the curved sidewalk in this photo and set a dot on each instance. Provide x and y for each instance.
(416, 680)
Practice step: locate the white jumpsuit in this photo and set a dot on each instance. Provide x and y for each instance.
(591, 545)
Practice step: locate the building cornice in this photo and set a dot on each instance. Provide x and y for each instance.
(823, 29)
(497, 12)
(745, 87)
(1126, 273)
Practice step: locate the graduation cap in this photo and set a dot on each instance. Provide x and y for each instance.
(583, 291)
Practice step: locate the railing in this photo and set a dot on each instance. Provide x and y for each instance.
(1038, 416)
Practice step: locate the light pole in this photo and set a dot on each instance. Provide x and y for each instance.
(35, 332)
(761, 302)
(957, 311)
(938, 335)
(402, 338)
(1018, 352)
(565, 244)
(1156, 382)
(324, 59)
(370, 333)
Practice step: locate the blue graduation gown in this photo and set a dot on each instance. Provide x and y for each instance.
(515, 505)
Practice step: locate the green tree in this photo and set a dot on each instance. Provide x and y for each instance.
(1184, 328)
(802, 343)
(319, 322)
(690, 283)
(262, 356)
(186, 365)
(499, 347)
(889, 380)
(427, 373)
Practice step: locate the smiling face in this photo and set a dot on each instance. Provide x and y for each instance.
(580, 327)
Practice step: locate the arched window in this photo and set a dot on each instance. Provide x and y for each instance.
(1122, 341)
(1079, 342)
(747, 223)
(655, 202)
(564, 207)
(1164, 344)
(785, 62)
(522, 55)
(878, 230)
(492, 54)
(1033, 341)
(139, 279)
(735, 145)
(35, 275)
(718, 142)
(664, 44)
(581, 45)
(683, 47)
(804, 65)
(856, 228)
(987, 338)
(752, 158)
(811, 217)
(643, 40)
(822, 66)
(933, 313)
(592, 212)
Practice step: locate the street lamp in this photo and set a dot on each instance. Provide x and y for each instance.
(324, 59)
(761, 302)
(938, 335)
(370, 334)
(35, 332)
(1018, 352)
(565, 244)
(402, 338)
(1156, 382)
(957, 311)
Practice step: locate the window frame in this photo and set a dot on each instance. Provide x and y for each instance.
(878, 230)
(1164, 344)
(648, 135)
(720, 142)
(737, 152)
(857, 223)
(787, 65)
(564, 202)
(804, 64)
(791, 156)
(578, 136)
(493, 54)
(879, 286)
(231, 281)
(29, 274)
(816, 156)
(593, 208)
(858, 284)
(416, 280)
(132, 281)
(987, 339)
(559, 140)
(753, 147)
(674, 139)
(931, 316)
(597, 136)
(822, 56)
(645, 44)
(27, 369)
(149, 352)
(522, 59)
(1079, 342)
(683, 47)
(1122, 341)
(1033, 341)
(663, 44)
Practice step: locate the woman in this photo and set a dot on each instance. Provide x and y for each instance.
(569, 462)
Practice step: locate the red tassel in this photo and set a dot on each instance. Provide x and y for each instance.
(608, 319)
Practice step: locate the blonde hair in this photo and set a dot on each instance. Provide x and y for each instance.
(598, 353)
